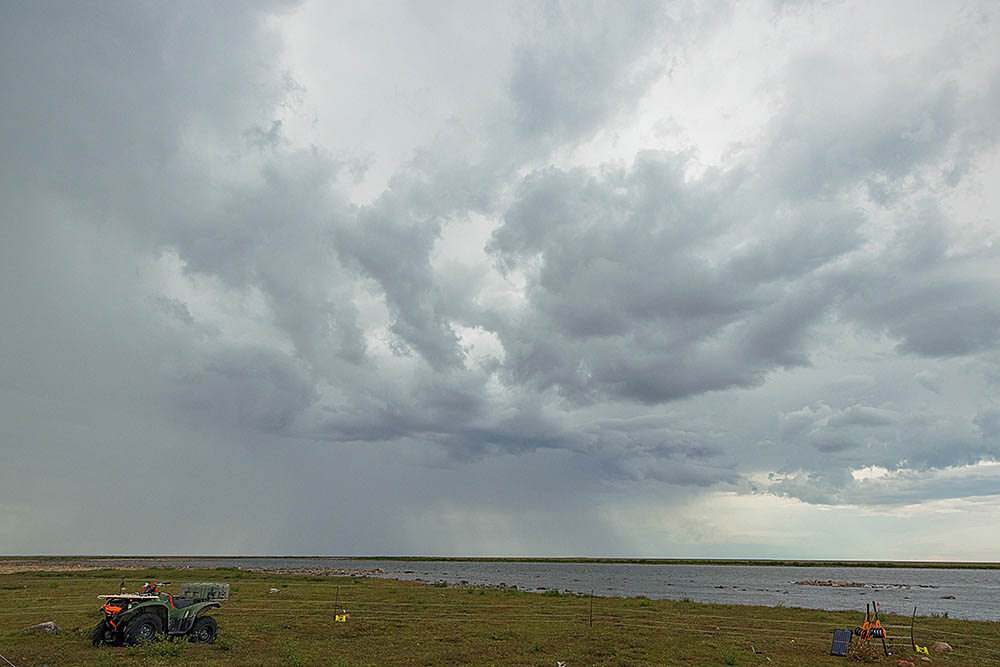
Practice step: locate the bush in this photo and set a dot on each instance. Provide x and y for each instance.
(164, 647)
(728, 657)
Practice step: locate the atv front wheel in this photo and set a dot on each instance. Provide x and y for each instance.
(204, 630)
(105, 634)
(143, 628)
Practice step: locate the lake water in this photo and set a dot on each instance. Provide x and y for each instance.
(971, 594)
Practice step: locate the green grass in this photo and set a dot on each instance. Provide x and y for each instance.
(407, 623)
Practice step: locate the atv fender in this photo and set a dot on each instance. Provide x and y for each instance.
(183, 622)
(201, 607)
(146, 608)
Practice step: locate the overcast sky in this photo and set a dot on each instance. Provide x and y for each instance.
(582, 278)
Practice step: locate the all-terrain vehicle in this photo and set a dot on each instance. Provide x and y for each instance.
(133, 618)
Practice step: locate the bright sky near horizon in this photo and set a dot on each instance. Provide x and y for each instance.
(515, 279)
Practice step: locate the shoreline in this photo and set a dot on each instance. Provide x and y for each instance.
(82, 562)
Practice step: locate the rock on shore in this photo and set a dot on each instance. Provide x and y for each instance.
(828, 582)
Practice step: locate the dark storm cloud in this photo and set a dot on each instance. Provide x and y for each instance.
(254, 387)
(275, 235)
(624, 300)
(393, 246)
(381, 409)
(938, 301)
(183, 281)
(98, 95)
(907, 488)
(658, 448)
(625, 303)
(937, 313)
(570, 74)
(103, 115)
(634, 296)
(916, 447)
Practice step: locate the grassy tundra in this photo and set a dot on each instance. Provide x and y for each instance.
(408, 623)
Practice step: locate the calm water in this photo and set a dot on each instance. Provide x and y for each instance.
(972, 594)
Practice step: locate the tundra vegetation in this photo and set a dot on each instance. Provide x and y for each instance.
(411, 623)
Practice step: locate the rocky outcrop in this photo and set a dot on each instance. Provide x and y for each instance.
(818, 582)
(853, 584)
(316, 571)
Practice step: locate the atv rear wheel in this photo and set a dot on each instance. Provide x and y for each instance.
(204, 630)
(105, 634)
(143, 628)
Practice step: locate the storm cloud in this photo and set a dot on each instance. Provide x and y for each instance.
(415, 271)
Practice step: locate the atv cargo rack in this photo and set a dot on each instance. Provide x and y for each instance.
(204, 591)
(128, 596)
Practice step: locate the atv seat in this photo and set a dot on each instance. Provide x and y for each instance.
(180, 603)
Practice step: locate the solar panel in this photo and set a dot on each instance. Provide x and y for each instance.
(841, 640)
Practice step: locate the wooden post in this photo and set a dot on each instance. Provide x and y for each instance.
(592, 608)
